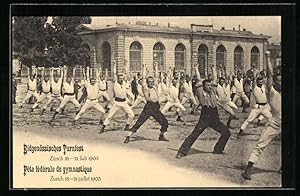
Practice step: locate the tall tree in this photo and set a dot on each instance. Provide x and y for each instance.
(28, 39)
(65, 47)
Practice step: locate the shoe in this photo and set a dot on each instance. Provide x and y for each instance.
(31, 110)
(126, 140)
(101, 122)
(21, 106)
(51, 109)
(192, 112)
(162, 138)
(126, 127)
(53, 117)
(43, 111)
(229, 126)
(241, 134)
(101, 129)
(179, 119)
(218, 152)
(107, 110)
(179, 155)
(246, 175)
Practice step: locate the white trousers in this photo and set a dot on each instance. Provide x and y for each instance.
(41, 98)
(67, 99)
(116, 106)
(51, 99)
(272, 130)
(30, 94)
(163, 98)
(228, 106)
(240, 96)
(255, 112)
(170, 104)
(103, 94)
(188, 96)
(138, 100)
(90, 104)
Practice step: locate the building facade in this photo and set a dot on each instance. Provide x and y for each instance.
(275, 56)
(125, 47)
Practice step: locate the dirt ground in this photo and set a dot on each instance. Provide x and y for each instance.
(228, 167)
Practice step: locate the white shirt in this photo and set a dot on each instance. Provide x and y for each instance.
(56, 87)
(164, 88)
(102, 85)
(187, 86)
(238, 85)
(140, 90)
(32, 84)
(173, 95)
(46, 86)
(92, 90)
(223, 93)
(260, 94)
(68, 88)
(275, 103)
(120, 90)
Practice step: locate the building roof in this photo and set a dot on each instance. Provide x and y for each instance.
(143, 27)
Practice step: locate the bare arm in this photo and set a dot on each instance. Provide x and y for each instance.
(214, 74)
(65, 73)
(269, 73)
(144, 73)
(199, 79)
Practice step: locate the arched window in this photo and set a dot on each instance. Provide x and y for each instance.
(159, 56)
(221, 58)
(255, 57)
(202, 59)
(239, 58)
(135, 57)
(179, 57)
(106, 57)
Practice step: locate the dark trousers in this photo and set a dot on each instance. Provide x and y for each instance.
(83, 96)
(209, 118)
(248, 94)
(151, 109)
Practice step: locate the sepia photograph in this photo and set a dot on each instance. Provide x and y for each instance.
(108, 102)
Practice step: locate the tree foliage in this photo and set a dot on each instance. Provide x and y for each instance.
(29, 40)
(31, 35)
(65, 47)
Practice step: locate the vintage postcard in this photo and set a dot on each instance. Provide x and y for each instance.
(146, 102)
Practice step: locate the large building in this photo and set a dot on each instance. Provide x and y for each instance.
(131, 45)
(275, 57)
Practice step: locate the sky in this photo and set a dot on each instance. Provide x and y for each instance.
(267, 25)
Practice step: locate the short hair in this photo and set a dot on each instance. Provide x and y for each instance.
(119, 75)
(149, 77)
(259, 78)
(221, 78)
(206, 81)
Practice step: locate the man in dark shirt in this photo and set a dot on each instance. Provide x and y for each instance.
(134, 87)
(151, 108)
(209, 118)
